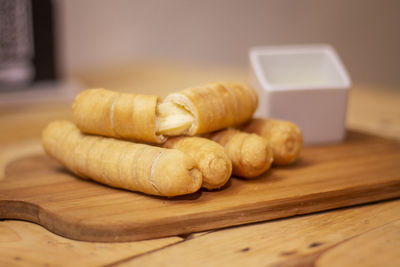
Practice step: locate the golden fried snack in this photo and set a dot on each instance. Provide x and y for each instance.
(205, 109)
(137, 167)
(250, 153)
(120, 115)
(211, 159)
(284, 137)
(192, 111)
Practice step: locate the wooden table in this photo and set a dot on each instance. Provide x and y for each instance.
(367, 235)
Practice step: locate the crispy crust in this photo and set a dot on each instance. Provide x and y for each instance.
(137, 167)
(285, 138)
(215, 106)
(211, 159)
(113, 114)
(250, 154)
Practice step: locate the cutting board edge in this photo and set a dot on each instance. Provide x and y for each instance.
(243, 214)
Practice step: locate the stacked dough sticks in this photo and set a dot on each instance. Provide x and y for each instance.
(141, 143)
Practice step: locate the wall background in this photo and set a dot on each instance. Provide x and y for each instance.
(98, 34)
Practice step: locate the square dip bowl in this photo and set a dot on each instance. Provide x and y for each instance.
(305, 84)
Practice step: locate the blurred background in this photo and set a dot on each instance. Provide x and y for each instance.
(72, 38)
(99, 33)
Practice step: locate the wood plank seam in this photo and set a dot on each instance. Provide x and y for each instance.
(143, 254)
(184, 239)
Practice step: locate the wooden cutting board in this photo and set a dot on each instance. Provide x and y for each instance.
(362, 169)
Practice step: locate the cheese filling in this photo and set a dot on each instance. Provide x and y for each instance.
(173, 119)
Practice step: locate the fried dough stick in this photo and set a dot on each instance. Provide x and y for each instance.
(250, 153)
(285, 138)
(137, 167)
(119, 115)
(211, 159)
(206, 108)
(144, 118)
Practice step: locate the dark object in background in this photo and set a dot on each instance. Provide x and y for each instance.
(44, 59)
(27, 43)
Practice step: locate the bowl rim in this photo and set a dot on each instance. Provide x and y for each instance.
(256, 52)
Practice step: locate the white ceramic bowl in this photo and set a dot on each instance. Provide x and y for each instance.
(305, 84)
